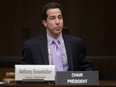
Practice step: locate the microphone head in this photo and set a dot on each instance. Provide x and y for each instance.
(66, 30)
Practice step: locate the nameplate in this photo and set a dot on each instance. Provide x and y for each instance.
(77, 77)
(34, 73)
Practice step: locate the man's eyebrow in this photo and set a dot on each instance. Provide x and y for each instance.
(52, 16)
(55, 16)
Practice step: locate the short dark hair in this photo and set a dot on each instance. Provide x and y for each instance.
(49, 6)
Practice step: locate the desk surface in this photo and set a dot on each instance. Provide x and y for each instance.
(102, 84)
(108, 82)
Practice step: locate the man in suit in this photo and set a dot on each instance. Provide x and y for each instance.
(40, 50)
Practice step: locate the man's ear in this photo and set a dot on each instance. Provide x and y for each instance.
(44, 23)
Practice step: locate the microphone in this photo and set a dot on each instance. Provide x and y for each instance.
(66, 30)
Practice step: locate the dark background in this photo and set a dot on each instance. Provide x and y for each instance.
(92, 20)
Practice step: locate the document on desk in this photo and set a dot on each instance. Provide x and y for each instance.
(35, 73)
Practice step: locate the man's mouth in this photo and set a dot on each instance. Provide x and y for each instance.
(58, 28)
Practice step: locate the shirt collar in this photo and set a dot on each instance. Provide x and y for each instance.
(50, 38)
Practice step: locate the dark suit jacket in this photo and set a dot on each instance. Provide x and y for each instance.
(36, 52)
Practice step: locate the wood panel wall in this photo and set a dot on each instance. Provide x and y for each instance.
(92, 20)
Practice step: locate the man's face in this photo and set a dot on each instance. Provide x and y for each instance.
(54, 22)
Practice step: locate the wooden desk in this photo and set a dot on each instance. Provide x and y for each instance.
(108, 82)
(102, 84)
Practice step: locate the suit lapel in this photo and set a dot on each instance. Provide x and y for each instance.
(69, 52)
(43, 47)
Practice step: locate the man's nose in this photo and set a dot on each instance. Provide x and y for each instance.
(57, 21)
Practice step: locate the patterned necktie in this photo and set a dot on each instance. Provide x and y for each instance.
(57, 59)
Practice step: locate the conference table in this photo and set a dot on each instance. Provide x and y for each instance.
(103, 83)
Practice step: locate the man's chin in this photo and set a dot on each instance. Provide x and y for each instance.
(57, 33)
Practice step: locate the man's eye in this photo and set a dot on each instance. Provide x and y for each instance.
(60, 17)
(52, 18)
